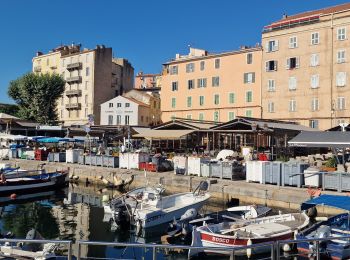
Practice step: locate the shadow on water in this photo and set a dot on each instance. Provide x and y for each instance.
(76, 213)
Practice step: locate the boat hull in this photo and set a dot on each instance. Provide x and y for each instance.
(34, 184)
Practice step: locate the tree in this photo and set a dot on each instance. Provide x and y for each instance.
(36, 96)
(9, 109)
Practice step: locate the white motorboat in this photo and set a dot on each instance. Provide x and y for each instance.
(155, 209)
(247, 232)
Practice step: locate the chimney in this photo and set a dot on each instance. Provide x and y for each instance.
(285, 16)
(39, 53)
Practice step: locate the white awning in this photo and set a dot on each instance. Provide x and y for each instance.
(160, 134)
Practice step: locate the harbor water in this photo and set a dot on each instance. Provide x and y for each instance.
(76, 213)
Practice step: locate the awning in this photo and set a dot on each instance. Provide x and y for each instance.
(160, 134)
(321, 139)
(334, 201)
(52, 140)
(13, 137)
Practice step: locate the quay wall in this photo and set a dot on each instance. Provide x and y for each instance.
(288, 198)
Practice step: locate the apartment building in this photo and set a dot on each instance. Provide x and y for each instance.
(136, 108)
(147, 81)
(214, 87)
(92, 77)
(305, 74)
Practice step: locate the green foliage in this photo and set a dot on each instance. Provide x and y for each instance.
(36, 96)
(283, 158)
(9, 109)
(331, 162)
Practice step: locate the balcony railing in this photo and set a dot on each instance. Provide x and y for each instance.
(37, 69)
(76, 92)
(73, 106)
(76, 65)
(74, 79)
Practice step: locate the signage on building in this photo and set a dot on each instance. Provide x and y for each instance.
(49, 127)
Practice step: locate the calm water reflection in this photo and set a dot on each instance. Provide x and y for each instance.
(75, 213)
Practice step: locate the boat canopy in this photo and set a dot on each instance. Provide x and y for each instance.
(334, 201)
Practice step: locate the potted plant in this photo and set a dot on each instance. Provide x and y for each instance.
(330, 165)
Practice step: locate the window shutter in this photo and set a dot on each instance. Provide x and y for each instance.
(267, 66)
(276, 45)
(253, 77)
(245, 77)
(317, 79)
(198, 83)
(288, 64)
(344, 78)
(267, 46)
(297, 62)
(317, 59)
(275, 65)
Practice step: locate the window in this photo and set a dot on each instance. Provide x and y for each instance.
(341, 79)
(292, 83)
(271, 87)
(249, 96)
(201, 100)
(231, 116)
(341, 103)
(271, 65)
(190, 84)
(86, 112)
(110, 104)
(271, 107)
(86, 85)
(202, 83)
(341, 34)
(272, 45)
(231, 98)
(110, 120)
(217, 63)
(292, 105)
(314, 60)
(127, 104)
(315, 38)
(127, 120)
(119, 104)
(341, 56)
(313, 124)
(173, 70)
(293, 42)
(87, 69)
(216, 99)
(248, 113)
(190, 67)
(173, 117)
(189, 101)
(202, 65)
(249, 77)
(314, 104)
(142, 119)
(315, 79)
(86, 99)
(292, 63)
(201, 116)
(189, 116)
(119, 119)
(174, 86)
(173, 102)
(216, 116)
(249, 58)
(215, 81)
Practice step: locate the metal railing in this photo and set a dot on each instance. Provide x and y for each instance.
(273, 247)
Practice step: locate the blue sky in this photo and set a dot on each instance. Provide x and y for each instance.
(147, 33)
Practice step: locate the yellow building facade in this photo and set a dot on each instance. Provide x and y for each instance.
(305, 68)
(212, 87)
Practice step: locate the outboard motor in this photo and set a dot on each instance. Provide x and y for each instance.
(121, 214)
(33, 234)
(322, 232)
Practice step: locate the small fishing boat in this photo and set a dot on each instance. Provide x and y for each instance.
(332, 228)
(247, 232)
(34, 183)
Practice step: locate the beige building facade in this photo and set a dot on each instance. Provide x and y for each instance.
(305, 68)
(147, 81)
(212, 87)
(92, 77)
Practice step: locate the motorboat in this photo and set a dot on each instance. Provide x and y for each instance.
(247, 232)
(334, 229)
(155, 209)
(34, 183)
(191, 219)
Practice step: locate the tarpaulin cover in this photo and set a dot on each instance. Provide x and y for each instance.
(335, 201)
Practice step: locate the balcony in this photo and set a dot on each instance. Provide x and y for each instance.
(37, 69)
(76, 79)
(73, 66)
(73, 106)
(76, 92)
